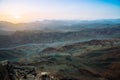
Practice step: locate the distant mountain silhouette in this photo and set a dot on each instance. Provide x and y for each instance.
(58, 25)
(38, 36)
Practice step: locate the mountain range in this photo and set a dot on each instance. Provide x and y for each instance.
(12, 35)
(68, 50)
(58, 25)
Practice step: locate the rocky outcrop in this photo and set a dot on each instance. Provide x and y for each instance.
(3, 73)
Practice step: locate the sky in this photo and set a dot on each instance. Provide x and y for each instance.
(17, 11)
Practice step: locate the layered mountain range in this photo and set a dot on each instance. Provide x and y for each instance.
(69, 50)
(57, 31)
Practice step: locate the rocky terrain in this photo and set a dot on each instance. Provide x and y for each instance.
(83, 50)
(95, 59)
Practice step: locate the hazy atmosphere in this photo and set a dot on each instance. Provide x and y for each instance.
(33, 10)
(59, 39)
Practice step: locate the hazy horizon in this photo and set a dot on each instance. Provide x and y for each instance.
(42, 20)
(19, 11)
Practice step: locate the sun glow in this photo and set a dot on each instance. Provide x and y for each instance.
(13, 18)
(17, 17)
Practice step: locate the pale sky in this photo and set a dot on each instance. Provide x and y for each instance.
(33, 10)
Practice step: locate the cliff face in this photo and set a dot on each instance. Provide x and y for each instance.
(3, 73)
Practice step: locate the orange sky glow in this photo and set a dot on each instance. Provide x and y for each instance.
(17, 11)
